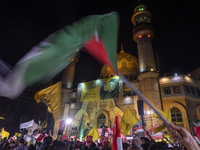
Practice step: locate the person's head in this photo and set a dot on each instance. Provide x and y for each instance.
(113, 84)
(21, 141)
(125, 146)
(59, 145)
(31, 147)
(92, 146)
(37, 146)
(12, 144)
(48, 140)
(144, 140)
(136, 145)
(137, 141)
(159, 146)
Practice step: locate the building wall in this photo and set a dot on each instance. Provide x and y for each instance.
(187, 100)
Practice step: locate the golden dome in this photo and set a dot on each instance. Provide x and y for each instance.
(127, 64)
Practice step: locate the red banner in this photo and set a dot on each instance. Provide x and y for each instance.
(88, 140)
(103, 140)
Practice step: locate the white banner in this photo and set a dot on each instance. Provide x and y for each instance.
(32, 128)
(26, 124)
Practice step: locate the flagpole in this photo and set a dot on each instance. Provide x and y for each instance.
(144, 99)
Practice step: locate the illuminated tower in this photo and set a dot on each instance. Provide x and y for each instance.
(67, 92)
(142, 34)
(148, 77)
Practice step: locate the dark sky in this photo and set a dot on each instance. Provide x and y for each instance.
(176, 23)
(24, 23)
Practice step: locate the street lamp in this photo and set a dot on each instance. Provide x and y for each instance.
(68, 121)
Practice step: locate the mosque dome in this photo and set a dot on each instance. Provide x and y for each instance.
(127, 64)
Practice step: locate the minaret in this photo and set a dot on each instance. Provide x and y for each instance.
(67, 84)
(148, 77)
(142, 34)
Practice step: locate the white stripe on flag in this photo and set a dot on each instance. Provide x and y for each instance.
(139, 130)
(156, 134)
(119, 143)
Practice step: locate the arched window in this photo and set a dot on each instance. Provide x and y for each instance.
(101, 121)
(176, 116)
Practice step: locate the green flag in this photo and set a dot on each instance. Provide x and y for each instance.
(80, 128)
(97, 33)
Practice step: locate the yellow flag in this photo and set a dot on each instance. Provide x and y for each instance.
(2, 117)
(160, 128)
(166, 116)
(154, 115)
(94, 133)
(51, 96)
(128, 120)
(18, 134)
(4, 134)
(45, 125)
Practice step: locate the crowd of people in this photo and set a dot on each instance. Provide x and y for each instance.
(183, 141)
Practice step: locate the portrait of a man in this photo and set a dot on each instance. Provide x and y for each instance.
(112, 91)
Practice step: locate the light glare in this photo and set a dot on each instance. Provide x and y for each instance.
(68, 121)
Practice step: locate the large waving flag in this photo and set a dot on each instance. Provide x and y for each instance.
(128, 120)
(94, 133)
(51, 96)
(97, 33)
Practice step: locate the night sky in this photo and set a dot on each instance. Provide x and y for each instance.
(23, 24)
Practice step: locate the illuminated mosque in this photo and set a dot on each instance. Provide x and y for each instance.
(179, 94)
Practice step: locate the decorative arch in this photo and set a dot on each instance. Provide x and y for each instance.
(198, 112)
(78, 116)
(106, 116)
(183, 111)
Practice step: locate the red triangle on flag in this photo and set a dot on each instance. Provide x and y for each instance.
(197, 131)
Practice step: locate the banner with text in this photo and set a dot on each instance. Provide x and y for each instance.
(100, 89)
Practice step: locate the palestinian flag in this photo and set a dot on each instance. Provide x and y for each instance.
(97, 33)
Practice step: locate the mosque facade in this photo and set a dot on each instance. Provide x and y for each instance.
(177, 94)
